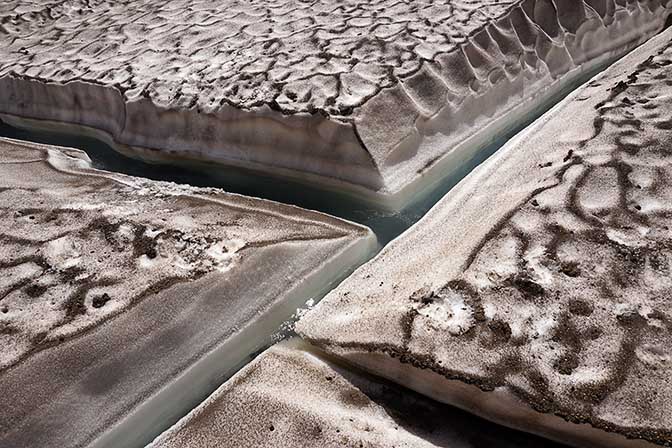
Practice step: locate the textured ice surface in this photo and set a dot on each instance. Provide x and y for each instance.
(292, 397)
(371, 94)
(540, 286)
(114, 289)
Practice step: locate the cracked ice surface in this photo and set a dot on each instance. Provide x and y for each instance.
(537, 292)
(349, 94)
(115, 289)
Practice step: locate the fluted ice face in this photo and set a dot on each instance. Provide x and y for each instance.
(537, 292)
(378, 97)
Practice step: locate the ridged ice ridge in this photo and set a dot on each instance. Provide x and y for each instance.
(537, 292)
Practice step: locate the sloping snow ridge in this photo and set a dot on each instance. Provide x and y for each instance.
(293, 396)
(125, 301)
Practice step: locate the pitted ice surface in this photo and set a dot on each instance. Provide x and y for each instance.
(356, 94)
(292, 396)
(304, 56)
(537, 292)
(113, 287)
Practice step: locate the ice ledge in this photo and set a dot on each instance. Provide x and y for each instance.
(395, 145)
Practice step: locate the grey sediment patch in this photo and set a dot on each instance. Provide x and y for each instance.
(540, 299)
(126, 301)
(378, 98)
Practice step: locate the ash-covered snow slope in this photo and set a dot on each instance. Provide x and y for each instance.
(124, 301)
(367, 96)
(538, 292)
(291, 396)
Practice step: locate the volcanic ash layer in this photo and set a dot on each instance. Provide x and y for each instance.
(123, 300)
(537, 293)
(382, 98)
(291, 396)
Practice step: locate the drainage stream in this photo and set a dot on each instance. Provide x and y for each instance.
(386, 224)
